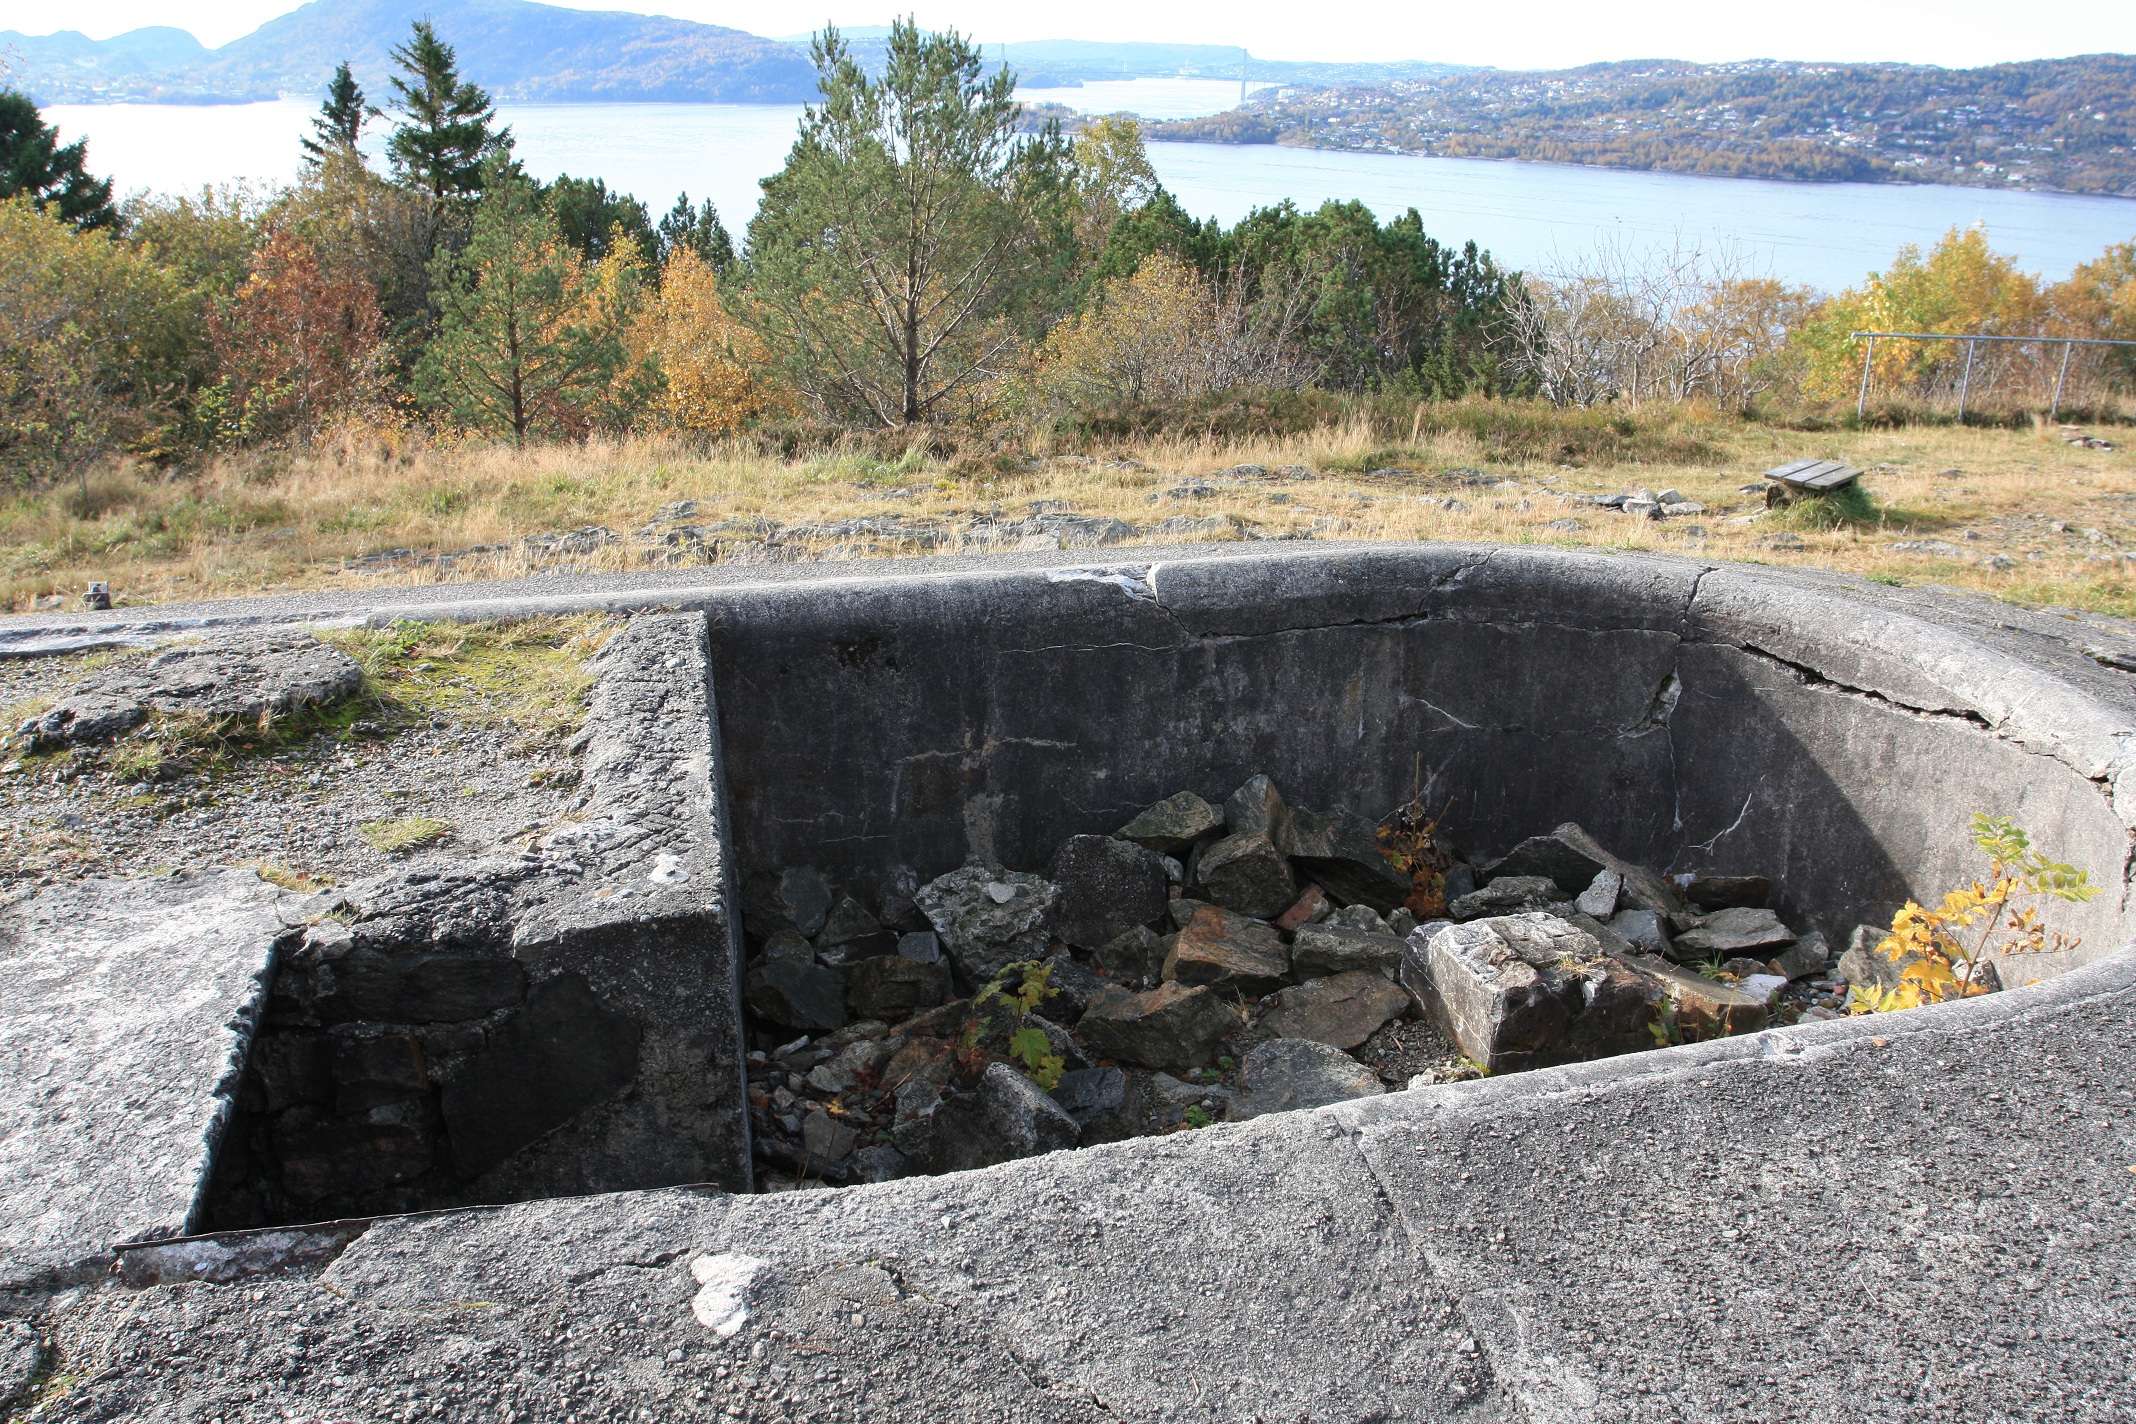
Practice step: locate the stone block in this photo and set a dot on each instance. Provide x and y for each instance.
(371, 987)
(989, 917)
(1730, 932)
(1705, 1008)
(338, 1158)
(1318, 950)
(1171, 1026)
(893, 988)
(1311, 907)
(374, 1070)
(1228, 952)
(1289, 1073)
(293, 1069)
(1554, 857)
(1341, 852)
(1522, 991)
(1342, 1010)
(1806, 958)
(563, 1053)
(1247, 873)
(1508, 894)
(1107, 887)
(797, 898)
(1173, 825)
(1137, 955)
(797, 994)
(1004, 1118)
(1257, 808)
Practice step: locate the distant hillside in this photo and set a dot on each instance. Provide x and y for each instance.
(2063, 124)
(514, 48)
(1046, 64)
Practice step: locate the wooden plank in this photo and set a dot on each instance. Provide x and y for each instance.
(1824, 481)
(1817, 476)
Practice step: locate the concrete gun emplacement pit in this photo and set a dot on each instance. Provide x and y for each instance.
(1911, 1216)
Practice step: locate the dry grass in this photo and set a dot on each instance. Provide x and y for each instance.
(269, 521)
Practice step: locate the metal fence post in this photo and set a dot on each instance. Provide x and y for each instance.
(2068, 348)
(1861, 407)
(1965, 383)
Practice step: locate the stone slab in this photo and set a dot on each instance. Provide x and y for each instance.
(125, 1008)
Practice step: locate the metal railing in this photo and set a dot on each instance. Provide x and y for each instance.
(2069, 345)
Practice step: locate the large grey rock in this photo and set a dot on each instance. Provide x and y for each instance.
(989, 917)
(846, 922)
(1342, 1010)
(1555, 857)
(1174, 824)
(797, 898)
(1705, 1008)
(1171, 1026)
(128, 1005)
(1644, 929)
(248, 675)
(1341, 852)
(1005, 1117)
(1086, 1093)
(1107, 887)
(1246, 872)
(1317, 950)
(1228, 952)
(797, 994)
(1506, 895)
(1257, 808)
(1522, 991)
(1735, 931)
(1134, 956)
(1808, 956)
(1287, 1073)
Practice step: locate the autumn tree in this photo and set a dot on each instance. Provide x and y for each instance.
(298, 345)
(97, 346)
(55, 177)
(338, 125)
(522, 335)
(446, 137)
(711, 369)
(915, 239)
(1960, 287)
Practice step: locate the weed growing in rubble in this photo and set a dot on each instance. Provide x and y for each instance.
(1028, 1046)
(1945, 952)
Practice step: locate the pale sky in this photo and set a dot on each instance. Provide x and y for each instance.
(1540, 34)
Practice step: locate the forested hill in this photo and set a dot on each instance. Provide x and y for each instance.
(2067, 124)
(514, 48)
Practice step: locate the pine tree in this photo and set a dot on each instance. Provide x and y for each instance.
(340, 121)
(446, 132)
(690, 228)
(56, 179)
(521, 338)
(916, 237)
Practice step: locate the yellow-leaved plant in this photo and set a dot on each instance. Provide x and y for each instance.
(1944, 953)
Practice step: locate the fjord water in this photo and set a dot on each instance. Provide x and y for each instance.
(1530, 215)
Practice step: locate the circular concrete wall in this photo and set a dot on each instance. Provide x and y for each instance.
(1826, 732)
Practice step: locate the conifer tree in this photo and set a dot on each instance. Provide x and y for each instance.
(447, 131)
(55, 178)
(340, 120)
(521, 338)
(688, 227)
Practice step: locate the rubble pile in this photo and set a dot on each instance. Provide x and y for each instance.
(1216, 962)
